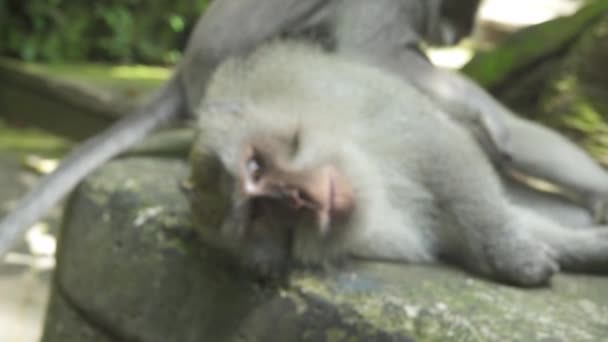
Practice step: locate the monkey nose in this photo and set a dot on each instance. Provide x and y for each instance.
(328, 194)
(299, 199)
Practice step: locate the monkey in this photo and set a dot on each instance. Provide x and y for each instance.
(384, 33)
(319, 157)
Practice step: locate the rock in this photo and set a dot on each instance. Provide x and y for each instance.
(130, 267)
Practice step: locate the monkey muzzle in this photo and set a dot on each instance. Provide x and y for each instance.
(324, 192)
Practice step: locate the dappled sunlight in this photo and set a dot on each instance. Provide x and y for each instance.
(452, 57)
(525, 12)
(40, 242)
(511, 14)
(140, 72)
(39, 164)
(41, 247)
(98, 71)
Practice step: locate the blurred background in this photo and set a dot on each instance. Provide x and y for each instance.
(70, 68)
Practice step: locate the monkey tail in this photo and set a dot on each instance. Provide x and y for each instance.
(164, 106)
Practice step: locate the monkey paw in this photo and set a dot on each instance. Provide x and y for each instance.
(524, 262)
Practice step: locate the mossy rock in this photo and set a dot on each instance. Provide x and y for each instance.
(131, 268)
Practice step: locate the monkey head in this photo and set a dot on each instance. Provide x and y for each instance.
(256, 189)
(268, 181)
(289, 164)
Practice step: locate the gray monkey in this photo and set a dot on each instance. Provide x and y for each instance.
(384, 33)
(318, 157)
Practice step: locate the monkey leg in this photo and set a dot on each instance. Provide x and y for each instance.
(576, 250)
(477, 227)
(482, 235)
(464, 101)
(540, 152)
(390, 42)
(553, 206)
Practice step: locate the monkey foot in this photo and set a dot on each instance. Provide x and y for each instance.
(531, 264)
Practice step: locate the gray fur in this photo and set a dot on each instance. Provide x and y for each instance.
(423, 189)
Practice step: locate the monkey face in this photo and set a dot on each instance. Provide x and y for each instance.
(322, 192)
(255, 206)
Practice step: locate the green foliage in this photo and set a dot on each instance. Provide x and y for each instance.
(110, 30)
(532, 44)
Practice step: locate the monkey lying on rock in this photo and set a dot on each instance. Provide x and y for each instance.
(382, 33)
(317, 157)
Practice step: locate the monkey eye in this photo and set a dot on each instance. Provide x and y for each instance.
(254, 168)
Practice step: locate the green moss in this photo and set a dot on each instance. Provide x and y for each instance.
(431, 306)
(31, 140)
(585, 118)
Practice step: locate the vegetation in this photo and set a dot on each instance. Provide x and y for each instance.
(125, 31)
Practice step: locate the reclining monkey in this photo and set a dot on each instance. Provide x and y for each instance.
(316, 157)
(385, 34)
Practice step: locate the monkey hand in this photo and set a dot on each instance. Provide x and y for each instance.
(522, 261)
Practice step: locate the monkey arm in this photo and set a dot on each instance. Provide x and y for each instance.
(386, 33)
(460, 97)
(541, 152)
(531, 148)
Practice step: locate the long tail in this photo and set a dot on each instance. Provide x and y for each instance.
(164, 106)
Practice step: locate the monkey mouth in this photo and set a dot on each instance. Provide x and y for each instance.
(338, 201)
(325, 192)
(320, 203)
